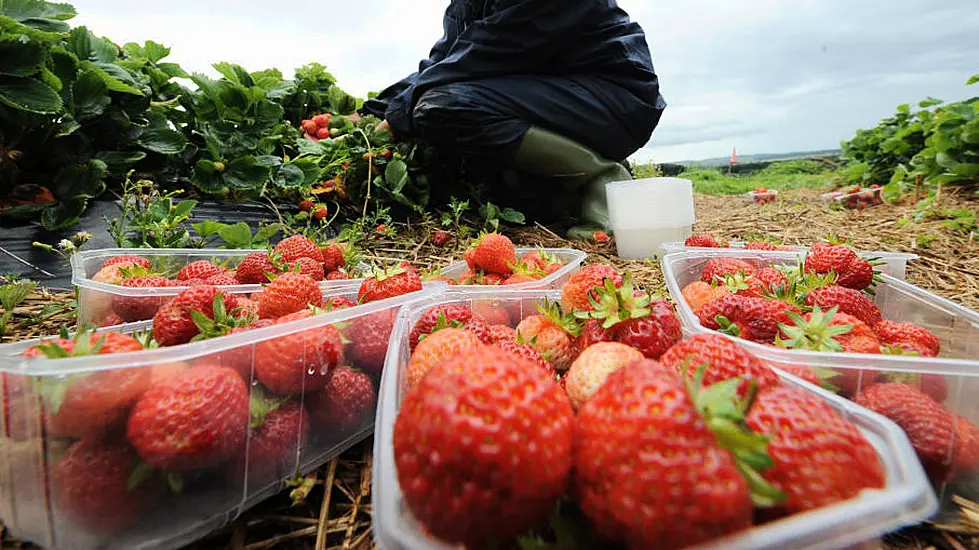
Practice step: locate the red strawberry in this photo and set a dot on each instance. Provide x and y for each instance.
(436, 347)
(94, 484)
(489, 279)
(651, 334)
(754, 319)
(300, 362)
(111, 320)
(591, 333)
(529, 353)
(467, 278)
(592, 368)
(441, 238)
(641, 429)
(553, 342)
(292, 248)
(820, 458)
(389, 283)
(277, 430)
(346, 403)
(967, 446)
(494, 313)
(698, 293)
(306, 205)
(479, 328)
(917, 338)
(852, 270)
(241, 358)
(337, 302)
(705, 240)
(747, 286)
(127, 259)
(725, 360)
(447, 315)
(320, 213)
(717, 269)
(766, 245)
(580, 286)
(470, 257)
(139, 308)
(201, 269)
(930, 426)
(847, 300)
(519, 278)
(932, 385)
(368, 336)
(254, 268)
(495, 253)
(288, 293)
(333, 257)
(535, 259)
(222, 279)
(770, 278)
(337, 276)
(308, 266)
(600, 237)
(801, 371)
(498, 333)
(174, 323)
(490, 396)
(196, 419)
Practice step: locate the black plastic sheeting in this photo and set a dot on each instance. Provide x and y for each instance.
(53, 271)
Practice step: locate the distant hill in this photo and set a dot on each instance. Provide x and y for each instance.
(771, 157)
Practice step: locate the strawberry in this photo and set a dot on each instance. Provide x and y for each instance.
(600, 237)
(478, 326)
(322, 120)
(288, 293)
(201, 269)
(698, 293)
(498, 333)
(549, 333)
(278, 429)
(139, 308)
(225, 278)
(333, 257)
(847, 300)
(591, 333)
(241, 358)
(592, 368)
(470, 258)
(494, 313)
(254, 268)
(111, 320)
(292, 248)
(320, 212)
(529, 353)
(770, 279)
(368, 336)
(642, 439)
(300, 362)
(337, 276)
(309, 267)
(441, 238)
(389, 283)
(801, 371)
(828, 331)
(514, 410)
(467, 278)
(766, 245)
(725, 360)
(930, 426)
(346, 403)
(535, 259)
(819, 457)
(852, 271)
(114, 273)
(717, 269)
(706, 240)
(518, 279)
(915, 337)
(196, 419)
(967, 446)
(578, 292)
(323, 133)
(436, 347)
(489, 279)
(337, 302)
(128, 259)
(306, 205)
(381, 229)
(754, 319)
(652, 334)
(932, 385)
(174, 324)
(97, 484)
(495, 253)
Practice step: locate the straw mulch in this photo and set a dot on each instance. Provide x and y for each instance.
(307, 517)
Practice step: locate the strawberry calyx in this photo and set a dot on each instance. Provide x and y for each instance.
(817, 334)
(261, 404)
(727, 327)
(222, 323)
(724, 413)
(554, 313)
(441, 322)
(736, 282)
(384, 273)
(613, 305)
(135, 271)
(788, 293)
(893, 349)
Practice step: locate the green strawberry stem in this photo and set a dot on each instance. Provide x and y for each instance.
(614, 305)
(727, 327)
(817, 334)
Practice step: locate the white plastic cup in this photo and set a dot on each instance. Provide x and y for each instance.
(645, 214)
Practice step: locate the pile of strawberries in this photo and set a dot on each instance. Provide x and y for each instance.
(855, 197)
(293, 254)
(136, 435)
(825, 304)
(492, 260)
(710, 240)
(596, 406)
(761, 195)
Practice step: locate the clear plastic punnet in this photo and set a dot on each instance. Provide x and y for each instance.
(906, 499)
(894, 264)
(98, 301)
(570, 258)
(156, 448)
(952, 378)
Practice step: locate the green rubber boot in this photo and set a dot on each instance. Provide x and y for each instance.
(576, 169)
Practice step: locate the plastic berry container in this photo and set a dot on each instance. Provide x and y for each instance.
(51, 496)
(906, 499)
(570, 259)
(855, 199)
(763, 196)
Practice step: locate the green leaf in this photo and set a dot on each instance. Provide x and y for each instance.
(91, 95)
(238, 235)
(963, 110)
(945, 160)
(20, 58)
(119, 163)
(245, 173)
(966, 169)
(184, 208)
(234, 73)
(208, 228)
(36, 14)
(83, 43)
(512, 216)
(63, 214)
(310, 169)
(972, 80)
(80, 180)
(150, 50)
(51, 80)
(929, 102)
(28, 94)
(266, 232)
(173, 70)
(112, 80)
(289, 176)
(396, 175)
(161, 139)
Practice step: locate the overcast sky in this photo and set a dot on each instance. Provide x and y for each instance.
(765, 76)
